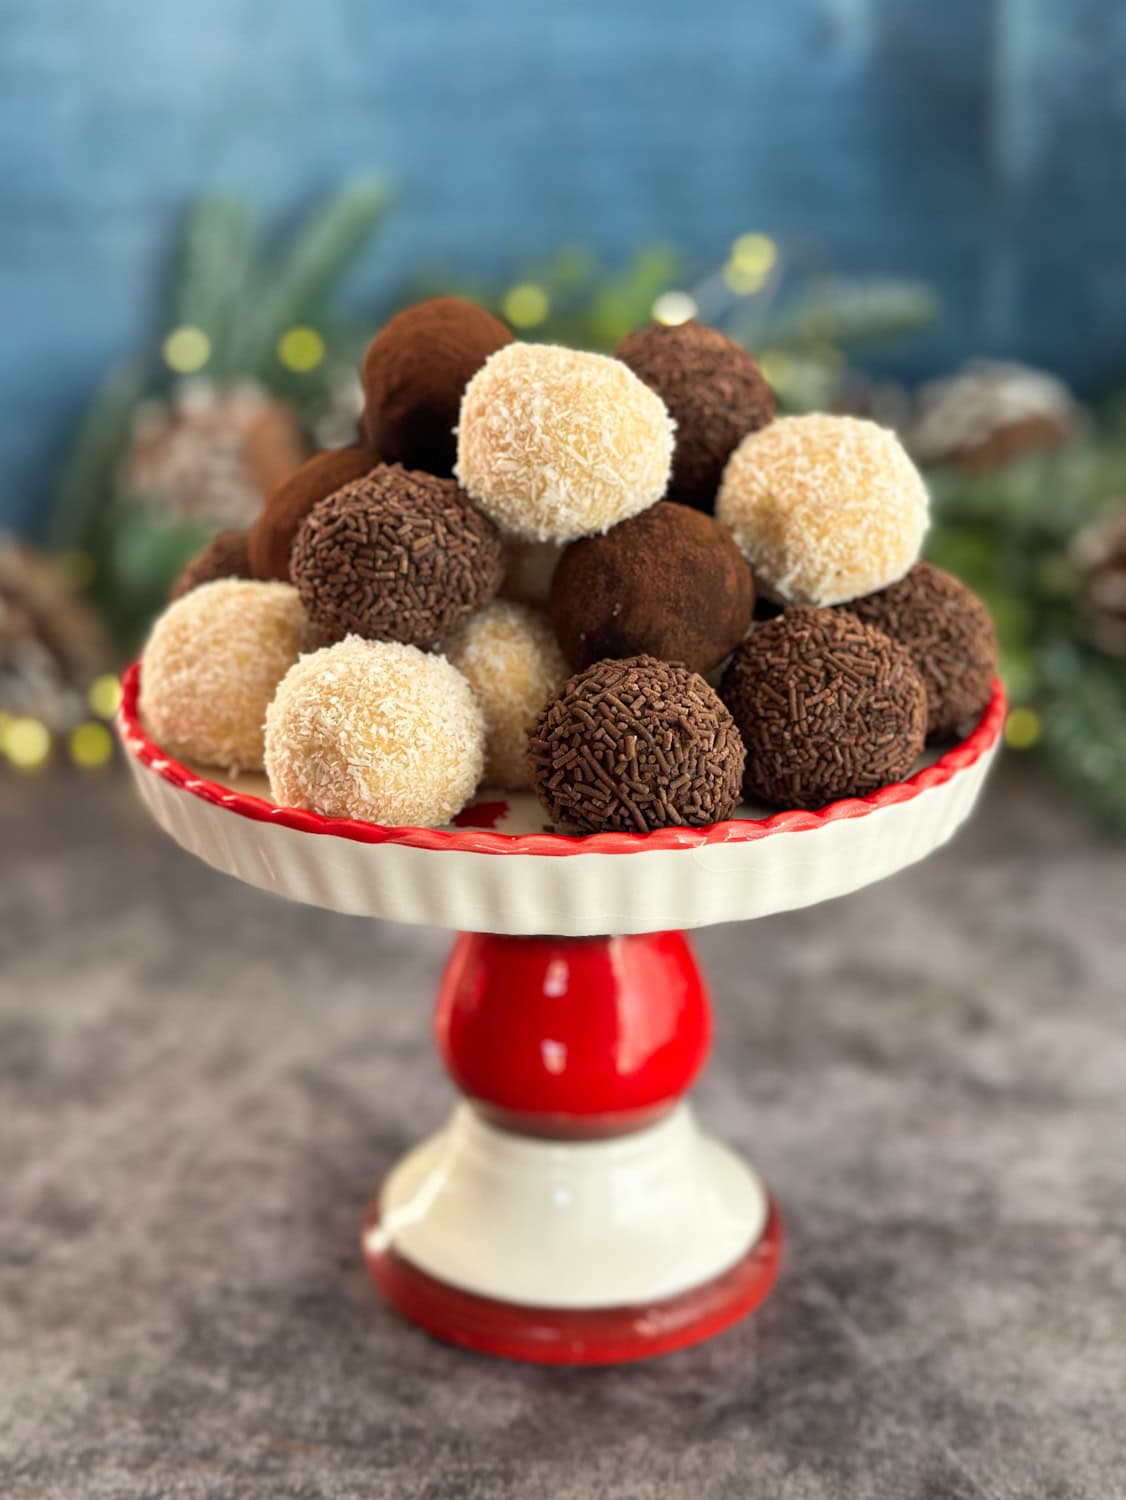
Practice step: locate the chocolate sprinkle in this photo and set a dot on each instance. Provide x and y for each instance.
(630, 746)
(396, 556)
(828, 707)
(949, 633)
(225, 556)
(715, 391)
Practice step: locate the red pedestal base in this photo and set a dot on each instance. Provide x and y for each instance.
(565, 1336)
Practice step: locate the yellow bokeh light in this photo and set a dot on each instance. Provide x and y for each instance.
(743, 281)
(91, 746)
(27, 743)
(526, 305)
(674, 307)
(186, 350)
(777, 366)
(754, 252)
(1023, 728)
(301, 348)
(104, 696)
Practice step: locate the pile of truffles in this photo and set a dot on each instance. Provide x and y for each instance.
(620, 582)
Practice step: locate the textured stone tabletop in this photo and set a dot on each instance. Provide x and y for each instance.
(200, 1086)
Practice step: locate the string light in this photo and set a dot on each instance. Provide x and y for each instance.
(526, 305)
(186, 349)
(674, 307)
(27, 743)
(753, 257)
(301, 349)
(104, 696)
(1023, 728)
(90, 745)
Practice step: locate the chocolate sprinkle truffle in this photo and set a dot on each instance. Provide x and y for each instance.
(415, 372)
(949, 633)
(828, 707)
(715, 392)
(225, 556)
(396, 556)
(669, 583)
(629, 746)
(271, 537)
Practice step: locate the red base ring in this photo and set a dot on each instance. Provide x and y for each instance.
(577, 1336)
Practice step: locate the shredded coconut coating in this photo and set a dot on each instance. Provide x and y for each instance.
(375, 730)
(211, 666)
(825, 508)
(513, 664)
(555, 443)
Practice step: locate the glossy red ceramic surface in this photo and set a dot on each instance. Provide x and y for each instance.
(593, 1336)
(482, 841)
(573, 1036)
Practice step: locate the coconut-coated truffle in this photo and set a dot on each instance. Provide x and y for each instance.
(510, 659)
(715, 392)
(670, 583)
(415, 372)
(950, 635)
(396, 556)
(225, 556)
(825, 508)
(634, 745)
(828, 707)
(271, 536)
(375, 730)
(211, 666)
(556, 444)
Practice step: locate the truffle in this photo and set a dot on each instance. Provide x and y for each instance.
(635, 745)
(669, 583)
(375, 730)
(715, 392)
(396, 556)
(415, 371)
(225, 556)
(556, 444)
(211, 666)
(271, 536)
(511, 661)
(528, 570)
(825, 508)
(949, 633)
(828, 707)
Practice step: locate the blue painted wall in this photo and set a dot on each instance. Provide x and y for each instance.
(977, 143)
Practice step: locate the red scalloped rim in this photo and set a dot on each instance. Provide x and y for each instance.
(478, 841)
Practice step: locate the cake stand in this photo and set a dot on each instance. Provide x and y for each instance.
(571, 1211)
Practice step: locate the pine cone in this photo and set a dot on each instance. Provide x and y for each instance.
(1099, 554)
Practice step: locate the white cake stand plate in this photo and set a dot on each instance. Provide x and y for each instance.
(571, 1212)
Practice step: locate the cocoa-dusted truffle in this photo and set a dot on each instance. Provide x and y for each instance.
(949, 633)
(396, 556)
(415, 371)
(225, 556)
(634, 745)
(714, 391)
(670, 583)
(828, 707)
(271, 536)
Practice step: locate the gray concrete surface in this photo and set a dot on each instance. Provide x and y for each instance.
(199, 1087)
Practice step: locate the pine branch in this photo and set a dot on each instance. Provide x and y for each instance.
(218, 265)
(85, 488)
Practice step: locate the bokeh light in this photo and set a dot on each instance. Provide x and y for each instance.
(526, 305)
(91, 746)
(104, 695)
(186, 350)
(301, 349)
(674, 307)
(753, 257)
(27, 743)
(1023, 728)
